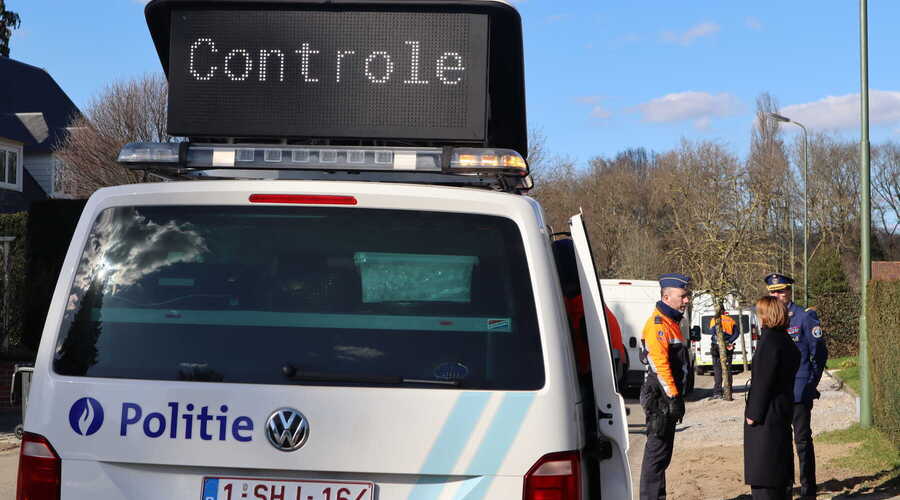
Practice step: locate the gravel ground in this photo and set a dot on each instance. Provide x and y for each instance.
(706, 418)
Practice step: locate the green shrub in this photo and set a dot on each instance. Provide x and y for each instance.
(14, 225)
(836, 305)
(884, 355)
(839, 314)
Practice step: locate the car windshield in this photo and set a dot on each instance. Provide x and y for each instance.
(303, 295)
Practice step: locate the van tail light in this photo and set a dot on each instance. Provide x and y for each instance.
(556, 476)
(39, 469)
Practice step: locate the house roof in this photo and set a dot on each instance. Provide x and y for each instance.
(34, 110)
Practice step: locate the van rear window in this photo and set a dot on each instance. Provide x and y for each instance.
(303, 295)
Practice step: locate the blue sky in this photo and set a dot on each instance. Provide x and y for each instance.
(601, 76)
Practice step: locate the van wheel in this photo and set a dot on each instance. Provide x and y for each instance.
(699, 370)
(20, 431)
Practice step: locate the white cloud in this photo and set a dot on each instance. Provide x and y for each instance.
(686, 38)
(840, 112)
(754, 23)
(598, 111)
(701, 107)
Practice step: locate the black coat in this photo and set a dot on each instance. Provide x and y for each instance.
(768, 451)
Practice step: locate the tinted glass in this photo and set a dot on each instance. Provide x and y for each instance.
(13, 166)
(745, 319)
(300, 295)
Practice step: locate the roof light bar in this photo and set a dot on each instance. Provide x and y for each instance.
(165, 153)
(200, 156)
(465, 166)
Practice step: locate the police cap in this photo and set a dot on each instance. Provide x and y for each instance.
(777, 281)
(674, 280)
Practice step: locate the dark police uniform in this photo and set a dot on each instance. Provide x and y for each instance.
(666, 354)
(806, 332)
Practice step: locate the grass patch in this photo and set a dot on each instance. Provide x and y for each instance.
(874, 455)
(847, 369)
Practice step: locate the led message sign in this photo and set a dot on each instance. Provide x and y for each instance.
(348, 74)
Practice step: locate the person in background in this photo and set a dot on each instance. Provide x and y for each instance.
(768, 458)
(806, 332)
(667, 357)
(730, 334)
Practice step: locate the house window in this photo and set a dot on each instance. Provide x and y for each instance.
(10, 167)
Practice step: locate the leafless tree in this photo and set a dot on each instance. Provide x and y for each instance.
(886, 196)
(125, 111)
(713, 218)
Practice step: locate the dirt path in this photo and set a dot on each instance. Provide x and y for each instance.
(708, 462)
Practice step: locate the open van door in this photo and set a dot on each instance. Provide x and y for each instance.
(612, 425)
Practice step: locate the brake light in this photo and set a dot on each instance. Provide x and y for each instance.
(39, 469)
(303, 199)
(556, 476)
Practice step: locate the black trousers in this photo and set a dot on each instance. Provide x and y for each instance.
(765, 493)
(657, 456)
(717, 368)
(806, 453)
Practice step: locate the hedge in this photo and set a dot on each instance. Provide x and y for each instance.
(884, 355)
(839, 314)
(14, 225)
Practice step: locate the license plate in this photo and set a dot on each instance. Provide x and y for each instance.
(235, 488)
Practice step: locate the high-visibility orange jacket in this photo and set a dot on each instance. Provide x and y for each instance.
(666, 352)
(615, 333)
(728, 325)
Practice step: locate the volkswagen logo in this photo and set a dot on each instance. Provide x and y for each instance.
(287, 429)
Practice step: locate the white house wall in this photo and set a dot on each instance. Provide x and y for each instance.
(40, 166)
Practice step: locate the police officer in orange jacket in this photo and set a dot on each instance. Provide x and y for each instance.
(666, 354)
(730, 334)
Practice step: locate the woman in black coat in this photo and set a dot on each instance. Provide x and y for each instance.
(768, 452)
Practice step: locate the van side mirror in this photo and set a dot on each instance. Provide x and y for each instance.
(632, 342)
(695, 333)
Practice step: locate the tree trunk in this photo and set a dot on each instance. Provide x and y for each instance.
(723, 359)
(743, 342)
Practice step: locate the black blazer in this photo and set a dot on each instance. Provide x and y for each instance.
(768, 453)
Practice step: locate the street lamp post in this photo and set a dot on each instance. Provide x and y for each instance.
(785, 119)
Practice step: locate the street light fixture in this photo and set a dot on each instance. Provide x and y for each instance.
(781, 118)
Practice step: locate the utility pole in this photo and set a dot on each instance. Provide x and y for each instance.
(865, 256)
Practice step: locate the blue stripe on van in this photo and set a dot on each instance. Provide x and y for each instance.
(500, 436)
(448, 446)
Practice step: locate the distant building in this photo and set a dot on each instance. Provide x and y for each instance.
(885, 270)
(34, 113)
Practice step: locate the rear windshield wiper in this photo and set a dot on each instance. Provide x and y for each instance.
(292, 373)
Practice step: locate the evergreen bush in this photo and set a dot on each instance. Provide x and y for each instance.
(884, 355)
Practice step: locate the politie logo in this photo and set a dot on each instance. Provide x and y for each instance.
(86, 416)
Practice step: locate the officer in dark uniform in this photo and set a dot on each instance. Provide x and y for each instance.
(807, 334)
(665, 352)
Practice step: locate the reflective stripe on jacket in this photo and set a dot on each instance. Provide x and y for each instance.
(666, 352)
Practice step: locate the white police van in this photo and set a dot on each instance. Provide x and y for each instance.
(703, 311)
(312, 319)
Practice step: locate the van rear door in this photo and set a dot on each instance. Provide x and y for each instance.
(612, 426)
